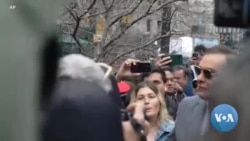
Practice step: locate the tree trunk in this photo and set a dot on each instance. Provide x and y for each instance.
(166, 27)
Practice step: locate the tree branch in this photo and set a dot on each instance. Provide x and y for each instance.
(173, 13)
(105, 4)
(104, 53)
(88, 9)
(78, 20)
(183, 22)
(107, 9)
(124, 14)
(147, 13)
(138, 48)
(68, 9)
(71, 13)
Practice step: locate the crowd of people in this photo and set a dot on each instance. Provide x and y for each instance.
(170, 103)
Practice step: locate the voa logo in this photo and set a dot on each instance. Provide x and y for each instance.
(224, 118)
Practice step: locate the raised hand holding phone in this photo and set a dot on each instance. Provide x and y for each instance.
(138, 110)
(176, 60)
(141, 67)
(163, 61)
(124, 70)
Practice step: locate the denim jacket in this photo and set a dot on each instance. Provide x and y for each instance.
(164, 131)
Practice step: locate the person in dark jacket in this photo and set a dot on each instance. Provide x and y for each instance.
(181, 75)
(77, 113)
(84, 106)
(173, 93)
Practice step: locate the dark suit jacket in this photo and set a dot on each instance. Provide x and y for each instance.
(172, 103)
(189, 120)
(82, 111)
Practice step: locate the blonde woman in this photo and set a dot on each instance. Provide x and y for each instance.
(160, 122)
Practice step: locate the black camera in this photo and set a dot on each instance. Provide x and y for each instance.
(232, 13)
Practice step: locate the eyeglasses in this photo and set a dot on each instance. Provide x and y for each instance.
(208, 74)
(107, 68)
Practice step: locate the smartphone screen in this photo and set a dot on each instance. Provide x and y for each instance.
(141, 67)
(176, 60)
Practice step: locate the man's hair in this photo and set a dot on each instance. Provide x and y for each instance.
(77, 66)
(156, 70)
(168, 69)
(220, 49)
(183, 68)
(200, 48)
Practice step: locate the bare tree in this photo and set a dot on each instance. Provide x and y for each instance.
(119, 26)
(192, 18)
(192, 14)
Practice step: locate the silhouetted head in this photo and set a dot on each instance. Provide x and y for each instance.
(77, 66)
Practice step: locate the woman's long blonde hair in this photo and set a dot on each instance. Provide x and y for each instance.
(163, 115)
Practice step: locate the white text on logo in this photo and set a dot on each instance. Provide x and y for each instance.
(223, 117)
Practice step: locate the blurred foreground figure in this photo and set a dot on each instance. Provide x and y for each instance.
(81, 109)
(24, 33)
(77, 66)
(233, 88)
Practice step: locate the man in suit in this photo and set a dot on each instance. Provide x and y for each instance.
(231, 89)
(193, 111)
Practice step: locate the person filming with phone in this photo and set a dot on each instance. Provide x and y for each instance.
(165, 84)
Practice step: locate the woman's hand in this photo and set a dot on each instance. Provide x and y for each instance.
(129, 133)
(137, 109)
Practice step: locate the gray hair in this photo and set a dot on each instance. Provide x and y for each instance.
(232, 88)
(77, 66)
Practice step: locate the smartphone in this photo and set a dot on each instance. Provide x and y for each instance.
(128, 115)
(141, 67)
(176, 60)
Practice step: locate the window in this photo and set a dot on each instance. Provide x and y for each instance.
(125, 22)
(148, 25)
(126, 19)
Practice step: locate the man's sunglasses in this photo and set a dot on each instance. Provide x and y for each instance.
(208, 74)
